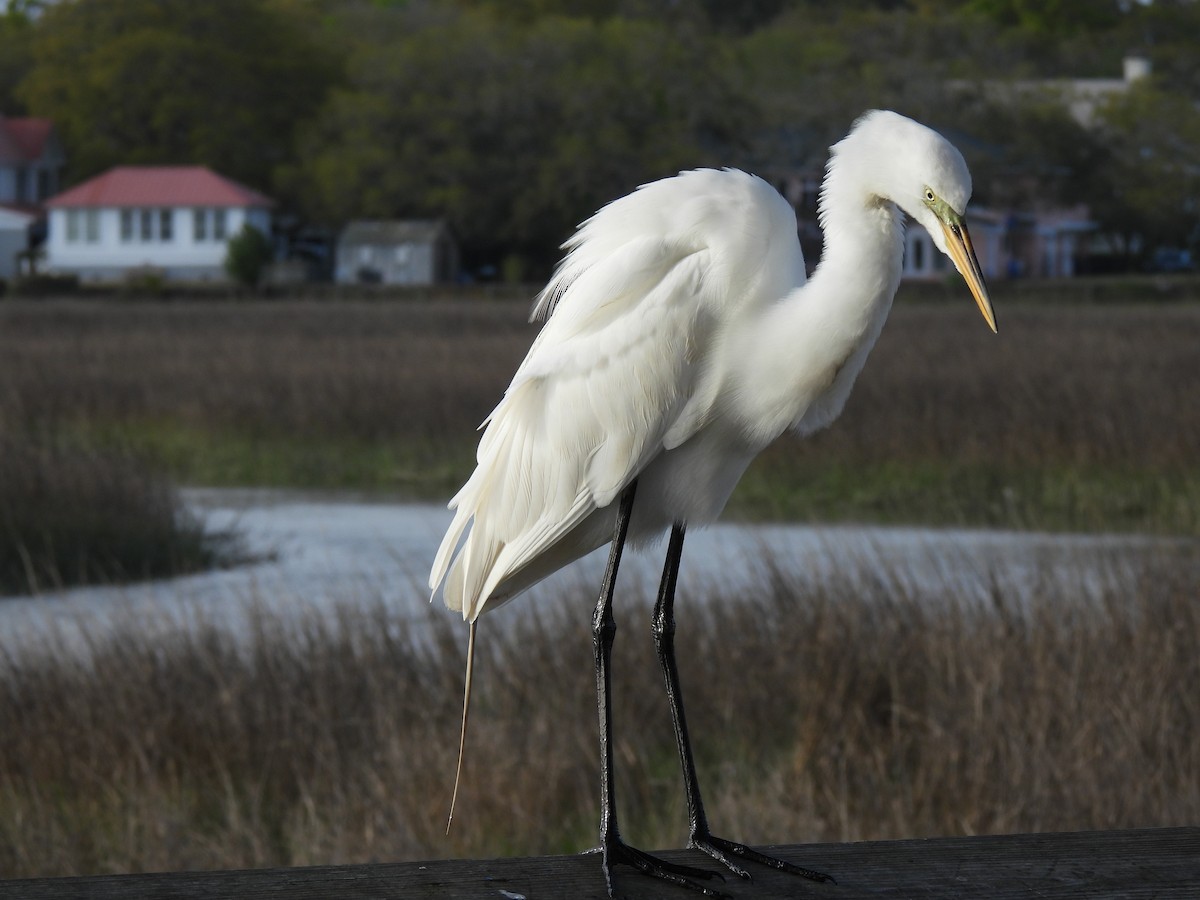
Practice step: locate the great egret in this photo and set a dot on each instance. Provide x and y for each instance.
(680, 339)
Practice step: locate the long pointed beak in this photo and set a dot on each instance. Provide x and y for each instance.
(958, 242)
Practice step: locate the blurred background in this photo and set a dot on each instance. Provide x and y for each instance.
(512, 120)
(264, 267)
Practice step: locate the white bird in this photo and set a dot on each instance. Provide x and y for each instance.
(680, 339)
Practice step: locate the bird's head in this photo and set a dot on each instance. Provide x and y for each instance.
(925, 175)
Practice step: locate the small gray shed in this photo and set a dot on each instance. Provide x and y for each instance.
(398, 251)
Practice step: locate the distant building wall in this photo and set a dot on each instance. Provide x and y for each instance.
(407, 263)
(187, 244)
(1013, 246)
(399, 252)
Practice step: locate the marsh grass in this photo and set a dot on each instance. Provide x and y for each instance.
(827, 710)
(71, 514)
(1077, 416)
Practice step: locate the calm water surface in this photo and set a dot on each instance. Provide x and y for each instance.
(324, 555)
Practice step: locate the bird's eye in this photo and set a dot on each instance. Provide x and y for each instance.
(929, 195)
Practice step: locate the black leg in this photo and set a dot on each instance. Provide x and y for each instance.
(604, 629)
(664, 640)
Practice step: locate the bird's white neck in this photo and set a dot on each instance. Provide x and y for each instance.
(863, 248)
(815, 340)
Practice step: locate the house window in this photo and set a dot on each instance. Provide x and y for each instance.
(126, 226)
(164, 225)
(83, 225)
(147, 221)
(209, 224)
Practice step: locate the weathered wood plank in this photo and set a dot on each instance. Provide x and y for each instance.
(1147, 863)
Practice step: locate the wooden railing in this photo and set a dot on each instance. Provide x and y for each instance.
(1156, 863)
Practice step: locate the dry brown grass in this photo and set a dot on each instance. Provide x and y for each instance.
(1072, 384)
(70, 514)
(1078, 385)
(825, 711)
(1077, 416)
(363, 369)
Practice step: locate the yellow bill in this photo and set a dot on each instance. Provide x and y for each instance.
(958, 242)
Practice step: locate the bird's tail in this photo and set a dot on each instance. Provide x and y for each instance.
(462, 737)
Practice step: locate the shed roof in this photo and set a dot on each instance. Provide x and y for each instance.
(159, 186)
(392, 231)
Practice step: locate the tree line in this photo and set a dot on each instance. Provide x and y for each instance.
(514, 118)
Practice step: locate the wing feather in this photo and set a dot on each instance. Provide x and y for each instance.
(586, 411)
(622, 369)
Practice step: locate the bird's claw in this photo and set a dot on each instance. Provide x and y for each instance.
(617, 851)
(723, 852)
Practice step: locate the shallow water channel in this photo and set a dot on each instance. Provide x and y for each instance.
(314, 554)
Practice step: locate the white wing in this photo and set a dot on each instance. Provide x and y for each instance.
(623, 363)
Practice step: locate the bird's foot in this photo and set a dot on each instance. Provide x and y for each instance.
(617, 851)
(725, 852)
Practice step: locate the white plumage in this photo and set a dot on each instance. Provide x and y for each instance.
(680, 339)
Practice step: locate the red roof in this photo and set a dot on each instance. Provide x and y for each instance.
(159, 186)
(26, 139)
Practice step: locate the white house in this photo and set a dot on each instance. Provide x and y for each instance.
(172, 220)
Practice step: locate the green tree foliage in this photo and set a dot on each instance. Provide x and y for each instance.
(814, 74)
(1057, 17)
(1136, 168)
(722, 15)
(514, 132)
(223, 83)
(15, 58)
(1029, 152)
(1166, 30)
(1151, 180)
(247, 255)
